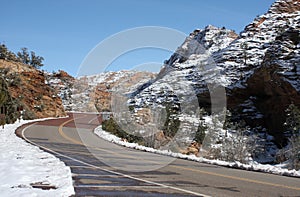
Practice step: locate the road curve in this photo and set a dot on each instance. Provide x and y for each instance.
(101, 168)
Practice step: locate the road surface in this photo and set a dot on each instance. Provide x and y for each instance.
(99, 167)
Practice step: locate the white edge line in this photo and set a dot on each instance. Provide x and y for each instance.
(93, 119)
(129, 187)
(110, 171)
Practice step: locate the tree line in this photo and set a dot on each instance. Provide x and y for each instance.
(23, 56)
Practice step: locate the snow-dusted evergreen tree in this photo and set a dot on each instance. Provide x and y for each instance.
(202, 128)
(293, 131)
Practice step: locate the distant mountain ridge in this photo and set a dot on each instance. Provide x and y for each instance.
(93, 93)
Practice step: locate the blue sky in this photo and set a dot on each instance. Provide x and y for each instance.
(64, 31)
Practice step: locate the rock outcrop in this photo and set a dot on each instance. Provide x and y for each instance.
(259, 69)
(94, 93)
(29, 92)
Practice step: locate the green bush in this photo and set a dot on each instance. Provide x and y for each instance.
(200, 134)
(112, 127)
(14, 80)
(172, 122)
(28, 115)
(8, 103)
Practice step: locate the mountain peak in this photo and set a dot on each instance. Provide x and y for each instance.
(211, 27)
(210, 40)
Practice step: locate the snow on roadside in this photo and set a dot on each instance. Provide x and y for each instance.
(22, 164)
(254, 166)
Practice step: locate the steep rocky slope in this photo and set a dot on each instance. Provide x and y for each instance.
(93, 93)
(28, 92)
(62, 83)
(185, 66)
(259, 69)
(270, 75)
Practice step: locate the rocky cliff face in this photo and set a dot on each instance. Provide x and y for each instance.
(94, 93)
(259, 69)
(185, 66)
(270, 79)
(209, 40)
(28, 91)
(62, 83)
(245, 54)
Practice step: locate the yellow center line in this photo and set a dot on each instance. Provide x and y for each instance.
(173, 166)
(60, 130)
(108, 170)
(71, 151)
(234, 177)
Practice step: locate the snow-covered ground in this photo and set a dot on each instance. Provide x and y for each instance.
(254, 166)
(22, 164)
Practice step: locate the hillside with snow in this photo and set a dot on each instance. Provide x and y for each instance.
(93, 93)
(255, 70)
(259, 69)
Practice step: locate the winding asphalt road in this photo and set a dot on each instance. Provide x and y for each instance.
(101, 168)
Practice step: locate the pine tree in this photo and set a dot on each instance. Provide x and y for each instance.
(202, 128)
(244, 47)
(6, 54)
(36, 61)
(293, 131)
(24, 55)
(292, 122)
(3, 52)
(172, 122)
(200, 134)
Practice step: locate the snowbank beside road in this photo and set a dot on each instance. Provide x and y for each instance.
(22, 165)
(254, 166)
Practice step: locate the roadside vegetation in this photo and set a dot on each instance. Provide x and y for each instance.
(172, 122)
(9, 106)
(24, 93)
(235, 141)
(112, 127)
(290, 154)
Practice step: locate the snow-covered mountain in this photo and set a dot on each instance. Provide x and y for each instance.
(248, 51)
(93, 93)
(185, 64)
(259, 69)
(62, 83)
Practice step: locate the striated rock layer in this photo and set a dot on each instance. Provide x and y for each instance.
(259, 69)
